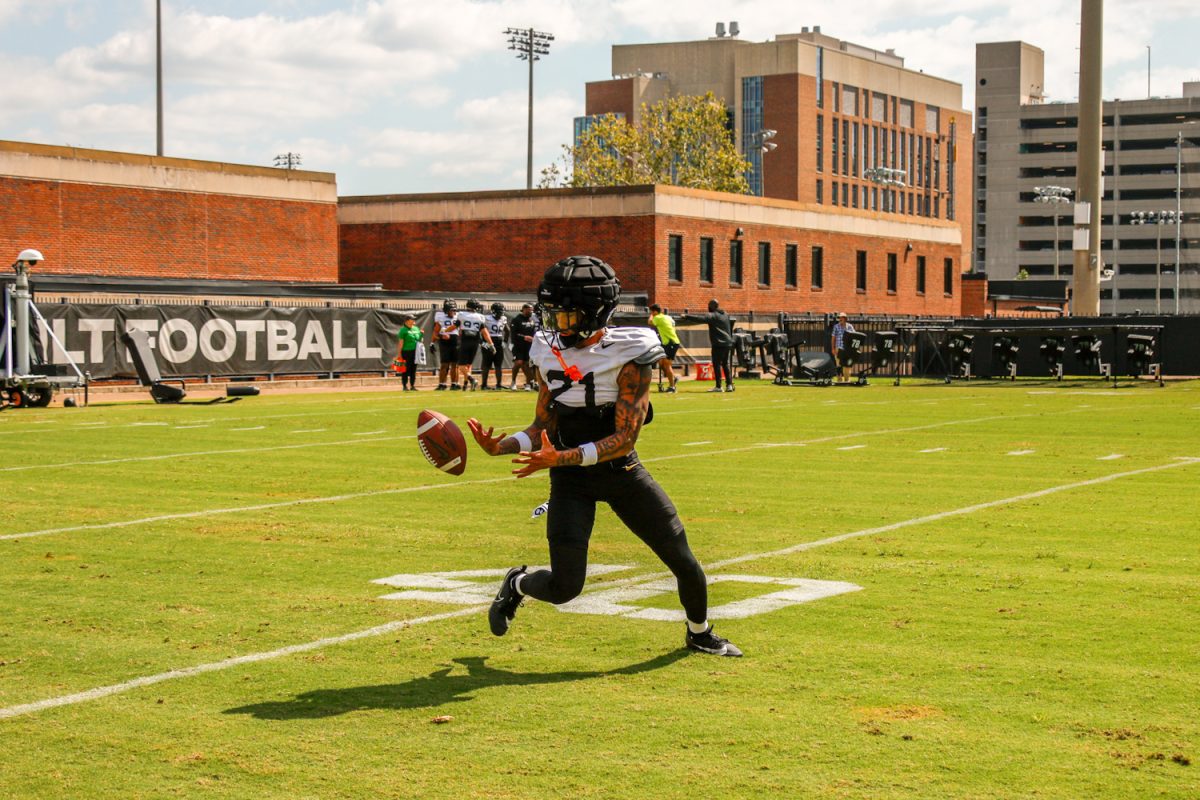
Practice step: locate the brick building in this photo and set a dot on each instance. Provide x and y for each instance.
(841, 112)
(94, 212)
(679, 247)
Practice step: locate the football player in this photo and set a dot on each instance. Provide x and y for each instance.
(497, 326)
(593, 399)
(522, 328)
(472, 327)
(445, 333)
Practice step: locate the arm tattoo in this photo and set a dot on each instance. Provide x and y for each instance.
(633, 400)
(544, 419)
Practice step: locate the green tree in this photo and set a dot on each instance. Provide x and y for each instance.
(682, 141)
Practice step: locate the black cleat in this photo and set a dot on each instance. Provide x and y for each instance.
(708, 642)
(508, 599)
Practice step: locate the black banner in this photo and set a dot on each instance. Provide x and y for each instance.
(227, 340)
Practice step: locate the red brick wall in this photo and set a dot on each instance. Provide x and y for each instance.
(975, 295)
(783, 166)
(89, 229)
(492, 255)
(838, 292)
(511, 255)
(610, 97)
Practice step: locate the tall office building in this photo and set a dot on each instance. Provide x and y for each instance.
(1025, 156)
(840, 112)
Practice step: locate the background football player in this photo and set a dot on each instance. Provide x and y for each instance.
(445, 333)
(472, 329)
(497, 326)
(593, 399)
(522, 328)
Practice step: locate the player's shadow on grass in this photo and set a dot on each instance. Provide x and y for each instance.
(436, 689)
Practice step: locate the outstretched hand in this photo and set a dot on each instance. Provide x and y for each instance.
(543, 458)
(488, 440)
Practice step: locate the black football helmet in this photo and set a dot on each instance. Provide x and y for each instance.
(577, 297)
(449, 305)
(474, 305)
(498, 309)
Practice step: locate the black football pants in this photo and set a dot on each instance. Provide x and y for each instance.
(639, 502)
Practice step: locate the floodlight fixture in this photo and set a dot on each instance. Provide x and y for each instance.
(1158, 219)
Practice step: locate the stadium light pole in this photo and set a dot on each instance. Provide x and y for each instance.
(530, 45)
(1054, 195)
(158, 69)
(1157, 219)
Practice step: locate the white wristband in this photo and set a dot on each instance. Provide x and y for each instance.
(523, 441)
(590, 456)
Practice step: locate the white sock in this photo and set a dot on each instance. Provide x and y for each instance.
(517, 583)
(697, 627)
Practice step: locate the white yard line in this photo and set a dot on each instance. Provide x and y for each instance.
(390, 627)
(1021, 453)
(193, 454)
(934, 450)
(312, 430)
(693, 444)
(252, 428)
(190, 427)
(1112, 457)
(853, 447)
(368, 433)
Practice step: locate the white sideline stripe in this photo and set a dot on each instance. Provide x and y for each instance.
(853, 447)
(147, 424)
(693, 444)
(312, 430)
(169, 456)
(200, 669)
(254, 428)
(368, 433)
(190, 427)
(1113, 457)
(1020, 453)
(934, 450)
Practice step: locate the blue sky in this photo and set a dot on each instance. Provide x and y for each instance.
(400, 96)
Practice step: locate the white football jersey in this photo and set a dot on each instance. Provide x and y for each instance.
(587, 376)
(470, 323)
(496, 327)
(449, 324)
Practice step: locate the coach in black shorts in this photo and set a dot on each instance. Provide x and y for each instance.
(593, 399)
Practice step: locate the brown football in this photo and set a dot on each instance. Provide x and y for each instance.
(441, 442)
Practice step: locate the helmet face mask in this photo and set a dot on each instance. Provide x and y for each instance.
(498, 309)
(448, 306)
(577, 297)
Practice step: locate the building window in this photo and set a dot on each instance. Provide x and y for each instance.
(933, 116)
(752, 126)
(860, 272)
(845, 195)
(833, 194)
(854, 149)
(906, 114)
(850, 100)
(818, 267)
(820, 143)
(735, 262)
(878, 107)
(789, 266)
(920, 274)
(675, 257)
(854, 195)
(584, 124)
(820, 77)
(892, 270)
(845, 148)
(764, 263)
(820, 192)
(706, 260)
(948, 277)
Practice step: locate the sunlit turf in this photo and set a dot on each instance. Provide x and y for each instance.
(1042, 647)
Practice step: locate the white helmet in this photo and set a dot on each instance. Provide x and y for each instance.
(31, 256)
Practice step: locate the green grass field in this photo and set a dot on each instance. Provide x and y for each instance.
(189, 609)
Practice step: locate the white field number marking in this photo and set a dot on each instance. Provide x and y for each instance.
(459, 588)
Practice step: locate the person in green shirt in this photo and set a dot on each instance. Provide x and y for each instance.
(407, 339)
(665, 326)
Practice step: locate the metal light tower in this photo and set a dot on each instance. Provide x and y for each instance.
(158, 69)
(1158, 219)
(1085, 300)
(1055, 195)
(529, 45)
